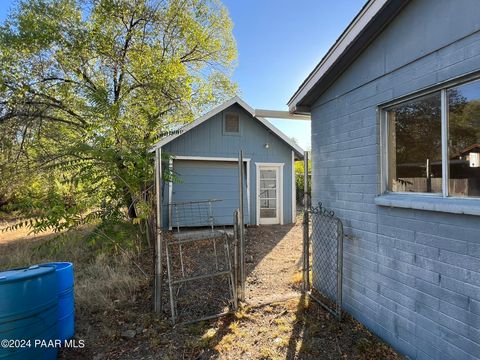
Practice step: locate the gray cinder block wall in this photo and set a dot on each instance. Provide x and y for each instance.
(411, 276)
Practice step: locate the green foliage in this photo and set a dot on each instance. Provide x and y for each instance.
(86, 86)
(299, 176)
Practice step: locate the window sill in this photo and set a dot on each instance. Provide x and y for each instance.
(430, 203)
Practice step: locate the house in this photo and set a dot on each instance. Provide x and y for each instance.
(391, 102)
(205, 162)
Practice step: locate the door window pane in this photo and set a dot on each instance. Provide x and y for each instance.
(268, 174)
(268, 184)
(268, 203)
(464, 140)
(268, 194)
(415, 146)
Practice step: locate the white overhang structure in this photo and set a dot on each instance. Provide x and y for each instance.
(277, 114)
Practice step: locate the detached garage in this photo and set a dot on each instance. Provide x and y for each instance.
(204, 160)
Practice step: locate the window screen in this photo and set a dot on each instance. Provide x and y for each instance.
(232, 123)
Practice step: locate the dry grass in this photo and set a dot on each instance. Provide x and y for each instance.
(103, 277)
(297, 277)
(107, 281)
(20, 234)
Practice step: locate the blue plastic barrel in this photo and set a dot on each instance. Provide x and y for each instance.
(66, 304)
(28, 312)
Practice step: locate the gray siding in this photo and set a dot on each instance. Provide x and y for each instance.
(208, 140)
(411, 276)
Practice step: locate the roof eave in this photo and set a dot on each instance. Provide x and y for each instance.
(363, 29)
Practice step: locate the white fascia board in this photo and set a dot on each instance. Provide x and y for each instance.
(207, 158)
(350, 34)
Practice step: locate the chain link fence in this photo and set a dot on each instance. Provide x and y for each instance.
(323, 258)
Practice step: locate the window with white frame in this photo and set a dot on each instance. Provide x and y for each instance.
(433, 143)
(231, 124)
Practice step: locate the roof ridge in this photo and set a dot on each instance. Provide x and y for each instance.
(226, 104)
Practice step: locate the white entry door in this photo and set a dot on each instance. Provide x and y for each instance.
(269, 194)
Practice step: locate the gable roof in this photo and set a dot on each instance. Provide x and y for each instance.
(364, 28)
(235, 100)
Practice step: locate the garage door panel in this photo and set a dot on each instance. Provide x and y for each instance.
(193, 187)
(220, 180)
(206, 180)
(204, 171)
(203, 167)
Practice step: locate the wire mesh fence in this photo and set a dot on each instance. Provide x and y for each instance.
(192, 214)
(323, 241)
(200, 277)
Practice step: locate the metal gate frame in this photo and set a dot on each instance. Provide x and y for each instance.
(322, 247)
(228, 272)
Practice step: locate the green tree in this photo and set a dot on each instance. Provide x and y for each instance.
(299, 179)
(86, 86)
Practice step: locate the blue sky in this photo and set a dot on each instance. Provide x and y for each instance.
(279, 42)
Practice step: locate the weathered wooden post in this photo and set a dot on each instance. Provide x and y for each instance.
(158, 233)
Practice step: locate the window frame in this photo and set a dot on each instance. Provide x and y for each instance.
(384, 130)
(230, 133)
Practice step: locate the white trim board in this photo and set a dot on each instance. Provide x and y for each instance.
(294, 191)
(281, 167)
(207, 158)
(222, 107)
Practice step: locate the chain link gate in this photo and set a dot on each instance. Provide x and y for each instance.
(323, 258)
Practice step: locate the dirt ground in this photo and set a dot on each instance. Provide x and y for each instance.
(273, 263)
(275, 323)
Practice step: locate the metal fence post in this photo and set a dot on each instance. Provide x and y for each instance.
(306, 223)
(241, 227)
(340, 269)
(236, 258)
(305, 250)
